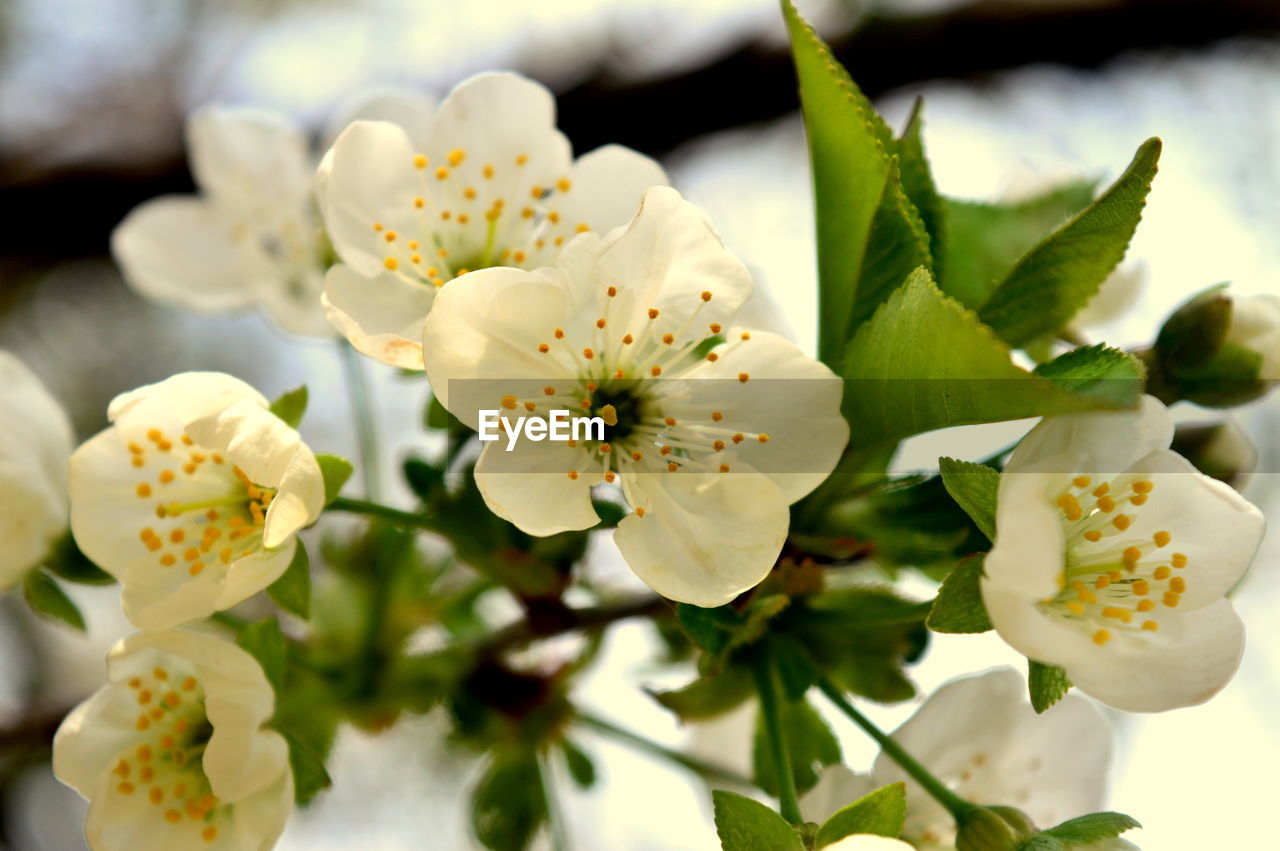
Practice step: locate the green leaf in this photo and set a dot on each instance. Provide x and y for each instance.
(264, 642)
(436, 415)
(46, 597)
(581, 768)
(923, 362)
(974, 488)
(292, 591)
(983, 241)
(509, 803)
(747, 825)
(1040, 842)
(291, 405)
(1056, 278)
(1097, 371)
(1047, 684)
(881, 813)
(1093, 828)
(710, 629)
(796, 671)
(336, 471)
(707, 697)
(958, 608)
(309, 774)
(917, 182)
(810, 741)
(67, 562)
(868, 232)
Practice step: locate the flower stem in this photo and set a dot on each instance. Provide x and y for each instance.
(704, 769)
(374, 509)
(366, 435)
(935, 787)
(555, 818)
(767, 687)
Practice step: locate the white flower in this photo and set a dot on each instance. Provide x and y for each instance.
(980, 737)
(708, 450)
(172, 753)
(491, 182)
(1112, 559)
(192, 497)
(33, 469)
(252, 236)
(1114, 297)
(867, 842)
(1255, 324)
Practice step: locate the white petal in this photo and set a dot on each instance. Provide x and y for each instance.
(607, 186)
(1255, 323)
(245, 157)
(1216, 528)
(252, 573)
(371, 180)
(1197, 655)
(789, 396)
(1021, 623)
(666, 258)
(177, 250)
(91, 737)
(409, 108)
(704, 538)
(1096, 442)
(868, 842)
(1029, 550)
(294, 304)
(838, 787)
(485, 328)
(530, 485)
(182, 398)
(381, 317)
(1118, 293)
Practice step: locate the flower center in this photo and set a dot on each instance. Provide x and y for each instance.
(164, 762)
(208, 513)
(1113, 581)
(469, 215)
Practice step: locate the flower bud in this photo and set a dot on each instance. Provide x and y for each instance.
(992, 829)
(1255, 325)
(1221, 450)
(1217, 350)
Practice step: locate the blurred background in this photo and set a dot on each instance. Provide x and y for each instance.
(93, 96)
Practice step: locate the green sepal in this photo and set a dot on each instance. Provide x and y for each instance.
(958, 608)
(310, 776)
(264, 641)
(335, 470)
(292, 591)
(66, 561)
(880, 813)
(974, 487)
(1047, 684)
(291, 405)
(46, 598)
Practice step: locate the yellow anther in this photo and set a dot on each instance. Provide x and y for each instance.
(125, 788)
(605, 449)
(1113, 612)
(655, 371)
(1179, 560)
(672, 466)
(419, 203)
(670, 421)
(391, 263)
(535, 191)
(415, 258)
(522, 159)
(1101, 637)
(553, 217)
(1101, 490)
(166, 476)
(1150, 626)
(463, 218)
(609, 476)
(582, 227)
(610, 415)
(549, 391)
(143, 490)
(1138, 499)
(156, 795)
(1070, 506)
(639, 512)
(588, 353)
(456, 156)
(1106, 503)
(563, 184)
(1075, 608)
(763, 438)
(636, 456)
(746, 335)
(469, 193)
(446, 215)
(738, 438)
(668, 338)
(1178, 585)
(487, 171)
(1142, 486)
(724, 468)
(600, 323)
(442, 173)
(377, 225)
(1162, 539)
(1102, 582)
(172, 816)
(419, 161)
(519, 256)
(1122, 521)
(530, 406)
(718, 445)
(1162, 572)
(1141, 587)
(1132, 555)
(138, 461)
(653, 313)
(713, 357)
(1081, 481)
(135, 448)
(706, 295)
(209, 834)
(1146, 605)
(666, 450)
(544, 348)
(526, 213)
(390, 236)
(627, 339)
(742, 376)
(509, 402)
(1171, 599)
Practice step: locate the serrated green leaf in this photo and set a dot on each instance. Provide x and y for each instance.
(707, 697)
(974, 488)
(46, 598)
(983, 241)
(868, 231)
(581, 768)
(710, 629)
(336, 471)
(1047, 684)
(917, 182)
(292, 591)
(1040, 842)
(1097, 371)
(810, 742)
(796, 671)
(746, 825)
(1058, 277)
(958, 608)
(881, 813)
(264, 641)
(66, 561)
(309, 774)
(509, 803)
(924, 362)
(291, 406)
(1093, 828)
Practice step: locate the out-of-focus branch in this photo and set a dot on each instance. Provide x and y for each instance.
(59, 215)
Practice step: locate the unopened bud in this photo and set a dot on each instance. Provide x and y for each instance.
(992, 829)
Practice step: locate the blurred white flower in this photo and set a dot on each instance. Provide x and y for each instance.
(1112, 559)
(980, 736)
(1118, 293)
(1255, 324)
(172, 753)
(252, 236)
(490, 182)
(192, 497)
(709, 441)
(867, 842)
(33, 469)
